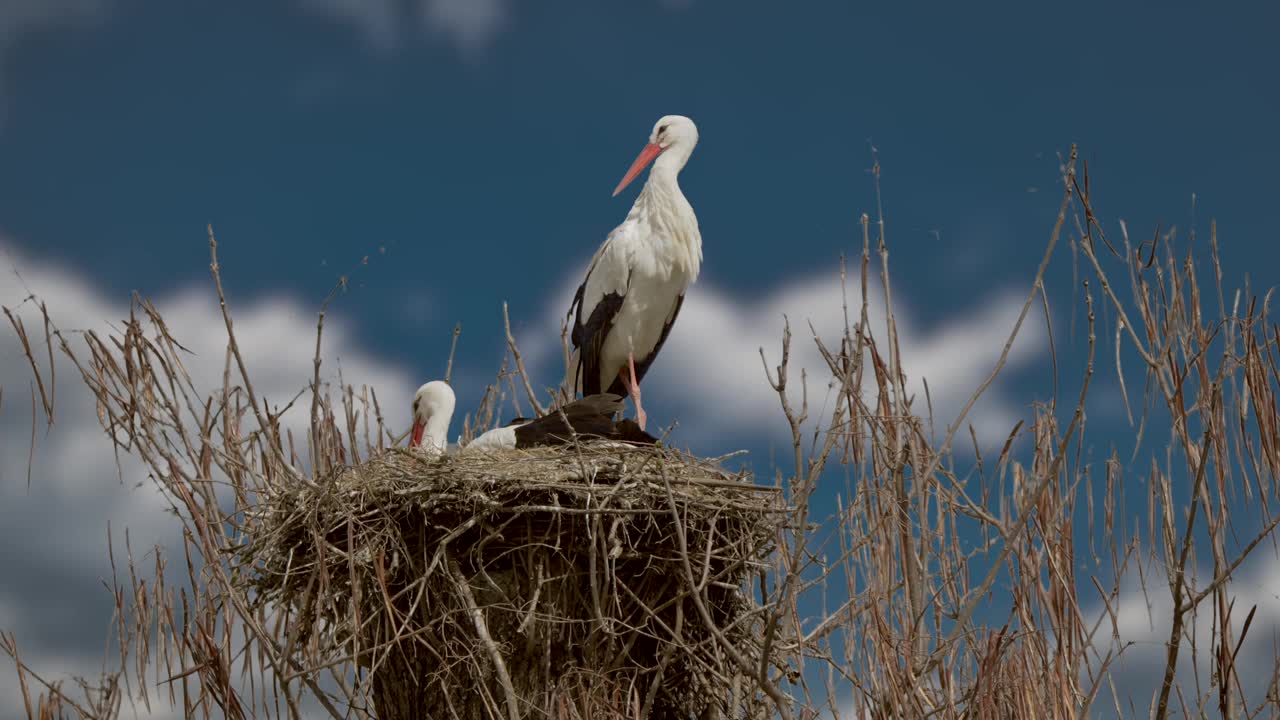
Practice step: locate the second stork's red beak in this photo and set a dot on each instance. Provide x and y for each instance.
(646, 156)
(418, 429)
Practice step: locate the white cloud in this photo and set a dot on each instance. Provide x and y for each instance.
(469, 25)
(19, 16)
(711, 375)
(377, 20)
(1146, 621)
(52, 537)
(714, 360)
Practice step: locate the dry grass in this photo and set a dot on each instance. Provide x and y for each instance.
(941, 586)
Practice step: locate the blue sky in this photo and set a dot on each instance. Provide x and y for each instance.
(469, 149)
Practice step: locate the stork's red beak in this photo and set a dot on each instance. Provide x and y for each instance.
(646, 156)
(418, 429)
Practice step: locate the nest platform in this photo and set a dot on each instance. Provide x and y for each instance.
(596, 580)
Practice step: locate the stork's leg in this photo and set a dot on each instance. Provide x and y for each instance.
(633, 387)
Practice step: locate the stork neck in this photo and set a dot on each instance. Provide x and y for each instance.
(668, 166)
(666, 211)
(662, 190)
(436, 435)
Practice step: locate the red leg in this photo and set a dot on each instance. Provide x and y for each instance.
(633, 387)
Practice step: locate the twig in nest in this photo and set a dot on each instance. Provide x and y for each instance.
(515, 354)
(482, 631)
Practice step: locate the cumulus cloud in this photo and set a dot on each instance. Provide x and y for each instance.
(53, 535)
(1145, 620)
(711, 377)
(715, 360)
(470, 25)
(376, 20)
(19, 16)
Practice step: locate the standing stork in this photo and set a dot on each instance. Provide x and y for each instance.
(637, 279)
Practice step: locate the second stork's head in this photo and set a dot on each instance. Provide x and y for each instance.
(671, 142)
(432, 411)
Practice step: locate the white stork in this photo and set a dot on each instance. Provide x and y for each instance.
(591, 416)
(636, 282)
(432, 413)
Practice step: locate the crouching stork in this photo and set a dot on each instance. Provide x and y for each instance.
(589, 418)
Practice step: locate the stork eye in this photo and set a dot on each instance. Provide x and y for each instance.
(662, 129)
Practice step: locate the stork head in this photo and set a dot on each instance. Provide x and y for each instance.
(432, 411)
(674, 137)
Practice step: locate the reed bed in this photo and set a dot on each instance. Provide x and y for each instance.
(335, 575)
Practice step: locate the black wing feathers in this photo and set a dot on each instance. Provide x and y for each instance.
(588, 337)
(642, 364)
(589, 340)
(628, 430)
(576, 305)
(592, 416)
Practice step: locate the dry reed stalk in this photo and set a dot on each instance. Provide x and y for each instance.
(941, 587)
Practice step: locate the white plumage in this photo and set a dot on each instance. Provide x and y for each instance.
(502, 438)
(432, 412)
(590, 417)
(433, 406)
(636, 282)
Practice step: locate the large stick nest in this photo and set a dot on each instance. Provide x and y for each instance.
(556, 582)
